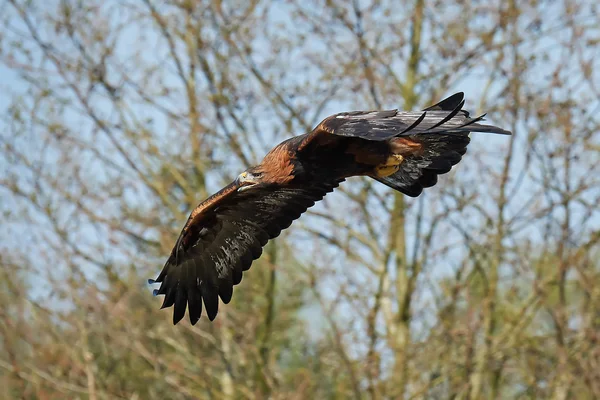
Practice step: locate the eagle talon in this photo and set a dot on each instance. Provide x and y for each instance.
(390, 166)
(386, 170)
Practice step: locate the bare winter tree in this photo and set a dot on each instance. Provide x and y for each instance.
(118, 117)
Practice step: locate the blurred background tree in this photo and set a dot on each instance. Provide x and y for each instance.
(119, 116)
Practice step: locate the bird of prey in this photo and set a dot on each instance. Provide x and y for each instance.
(225, 233)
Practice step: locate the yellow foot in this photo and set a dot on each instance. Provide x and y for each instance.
(390, 166)
(382, 171)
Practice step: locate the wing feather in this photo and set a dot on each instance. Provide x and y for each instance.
(447, 116)
(222, 237)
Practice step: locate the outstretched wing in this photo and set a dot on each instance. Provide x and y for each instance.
(446, 116)
(440, 150)
(222, 237)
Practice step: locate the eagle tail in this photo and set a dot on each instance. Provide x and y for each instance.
(439, 153)
(443, 143)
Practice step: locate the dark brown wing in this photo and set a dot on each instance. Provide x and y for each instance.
(222, 237)
(440, 150)
(444, 117)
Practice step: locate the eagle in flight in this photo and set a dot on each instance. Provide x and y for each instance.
(223, 235)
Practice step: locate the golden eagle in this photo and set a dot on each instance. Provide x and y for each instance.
(225, 233)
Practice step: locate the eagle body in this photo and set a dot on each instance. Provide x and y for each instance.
(225, 233)
(331, 159)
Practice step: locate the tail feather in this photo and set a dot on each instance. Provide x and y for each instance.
(443, 129)
(440, 153)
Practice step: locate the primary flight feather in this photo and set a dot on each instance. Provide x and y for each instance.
(226, 233)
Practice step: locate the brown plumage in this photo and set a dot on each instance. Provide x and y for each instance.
(225, 233)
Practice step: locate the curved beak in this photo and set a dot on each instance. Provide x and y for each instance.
(246, 180)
